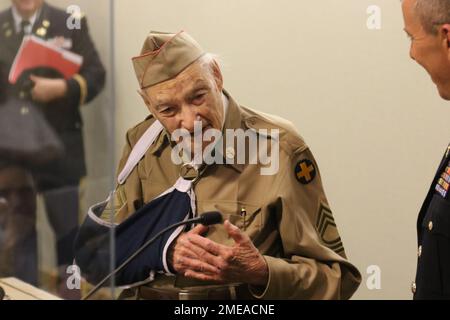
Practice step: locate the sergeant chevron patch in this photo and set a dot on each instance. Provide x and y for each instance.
(326, 227)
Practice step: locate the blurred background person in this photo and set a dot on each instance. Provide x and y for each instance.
(59, 100)
(18, 240)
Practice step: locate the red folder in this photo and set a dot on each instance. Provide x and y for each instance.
(35, 52)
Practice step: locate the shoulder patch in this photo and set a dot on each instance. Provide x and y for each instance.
(326, 227)
(305, 171)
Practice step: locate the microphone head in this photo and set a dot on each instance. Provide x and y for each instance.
(210, 218)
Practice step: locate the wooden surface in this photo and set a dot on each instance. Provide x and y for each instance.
(16, 289)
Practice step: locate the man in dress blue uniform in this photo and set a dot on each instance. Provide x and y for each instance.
(427, 23)
(59, 100)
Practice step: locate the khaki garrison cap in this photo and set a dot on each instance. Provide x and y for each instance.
(164, 56)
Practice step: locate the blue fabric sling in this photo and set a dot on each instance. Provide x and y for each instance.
(93, 242)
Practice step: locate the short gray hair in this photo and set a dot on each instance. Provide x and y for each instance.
(433, 13)
(208, 59)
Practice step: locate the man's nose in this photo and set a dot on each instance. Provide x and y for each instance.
(188, 118)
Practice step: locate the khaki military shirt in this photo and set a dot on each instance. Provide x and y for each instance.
(286, 214)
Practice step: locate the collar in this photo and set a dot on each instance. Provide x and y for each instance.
(226, 103)
(18, 19)
(233, 120)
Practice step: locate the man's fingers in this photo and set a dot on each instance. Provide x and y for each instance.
(206, 256)
(199, 229)
(203, 276)
(186, 251)
(197, 265)
(234, 232)
(206, 244)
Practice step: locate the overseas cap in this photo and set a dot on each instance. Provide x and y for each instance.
(164, 56)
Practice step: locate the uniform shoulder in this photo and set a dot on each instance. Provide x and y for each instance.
(55, 12)
(6, 26)
(290, 138)
(138, 130)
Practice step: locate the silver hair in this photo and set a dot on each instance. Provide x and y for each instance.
(433, 13)
(208, 59)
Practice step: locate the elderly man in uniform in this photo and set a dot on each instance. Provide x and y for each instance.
(59, 100)
(427, 23)
(279, 239)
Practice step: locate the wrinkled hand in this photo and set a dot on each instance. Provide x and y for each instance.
(46, 90)
(200, 258)
(181, 256)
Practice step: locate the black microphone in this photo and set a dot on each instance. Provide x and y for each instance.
(209, 218)
(2, 293)
(206, 219)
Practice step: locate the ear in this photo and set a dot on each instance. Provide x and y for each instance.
(445, 33)
(145, 98)
(217, 74)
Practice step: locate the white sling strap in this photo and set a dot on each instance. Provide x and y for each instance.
(139, 150)
(135, 156)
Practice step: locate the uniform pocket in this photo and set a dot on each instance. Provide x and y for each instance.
(248, 221)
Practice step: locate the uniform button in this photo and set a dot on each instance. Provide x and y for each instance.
(22, 94)
(230, 153)
(413, 287)
(419, 251)
(430, 225)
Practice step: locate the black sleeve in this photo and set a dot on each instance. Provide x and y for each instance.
(92, 71)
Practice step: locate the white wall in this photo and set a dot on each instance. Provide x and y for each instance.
(371, 116)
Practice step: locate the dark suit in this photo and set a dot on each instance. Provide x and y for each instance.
(59, 179)
(433, 229)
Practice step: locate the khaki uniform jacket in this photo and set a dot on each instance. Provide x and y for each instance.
(287, 214)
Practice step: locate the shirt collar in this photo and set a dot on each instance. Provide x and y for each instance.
(226, 103)
(233, 120)
(18, 19)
